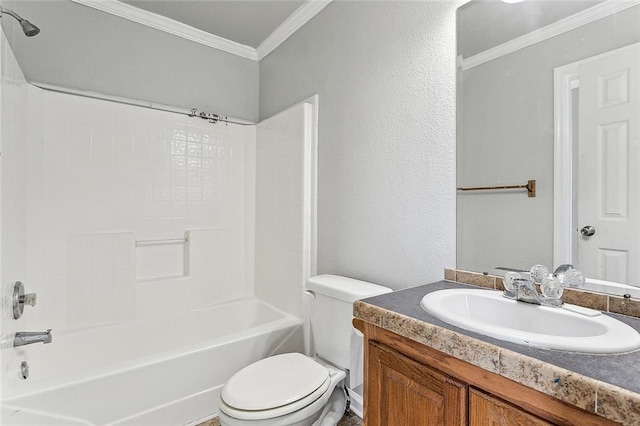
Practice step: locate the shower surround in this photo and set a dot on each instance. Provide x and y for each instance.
(142, 233)
(103, 178)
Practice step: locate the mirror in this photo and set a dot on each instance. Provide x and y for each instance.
(548, 91)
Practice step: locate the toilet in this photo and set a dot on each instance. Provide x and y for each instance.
(296, 390)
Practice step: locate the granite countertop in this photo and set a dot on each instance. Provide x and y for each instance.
(608, 385)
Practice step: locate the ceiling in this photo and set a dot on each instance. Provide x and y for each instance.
(483, 24)
(247, 22)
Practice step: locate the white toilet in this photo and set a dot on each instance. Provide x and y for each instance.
(293, 389)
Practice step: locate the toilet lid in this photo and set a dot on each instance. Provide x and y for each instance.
(274, 382)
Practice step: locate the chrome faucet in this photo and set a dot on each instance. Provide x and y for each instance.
(28, 337)
(524, 290)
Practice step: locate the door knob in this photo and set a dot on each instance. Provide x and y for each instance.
(588, 231)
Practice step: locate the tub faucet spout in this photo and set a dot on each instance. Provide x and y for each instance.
(28, 337)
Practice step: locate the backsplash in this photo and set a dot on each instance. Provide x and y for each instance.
(588, 299)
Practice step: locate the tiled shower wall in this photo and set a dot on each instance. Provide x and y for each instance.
(13, 184)
(101, 176)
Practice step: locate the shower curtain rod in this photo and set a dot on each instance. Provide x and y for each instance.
(210, 117)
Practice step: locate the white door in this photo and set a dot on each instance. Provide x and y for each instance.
(609, 167)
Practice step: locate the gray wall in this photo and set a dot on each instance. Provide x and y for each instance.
(385, 73)
(505, 137)
(86, 49)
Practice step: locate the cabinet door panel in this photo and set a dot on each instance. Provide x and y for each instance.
(403, 392)
(485, 410)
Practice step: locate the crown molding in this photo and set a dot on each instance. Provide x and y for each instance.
(171, 26)
(587, 16)
(301, 16)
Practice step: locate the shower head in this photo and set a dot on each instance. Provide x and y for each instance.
(27, 27)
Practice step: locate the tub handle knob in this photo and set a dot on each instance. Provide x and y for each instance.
(19, 299)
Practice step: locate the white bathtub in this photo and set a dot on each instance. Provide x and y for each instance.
(166, 371)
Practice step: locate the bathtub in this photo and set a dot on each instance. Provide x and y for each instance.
(161, 371)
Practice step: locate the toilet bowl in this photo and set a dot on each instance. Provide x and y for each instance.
(284, 390)
(294, 389)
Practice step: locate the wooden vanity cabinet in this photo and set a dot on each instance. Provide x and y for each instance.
(486, 410)
(410, 384)
(405, 392)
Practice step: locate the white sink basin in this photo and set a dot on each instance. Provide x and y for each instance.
(489, 313)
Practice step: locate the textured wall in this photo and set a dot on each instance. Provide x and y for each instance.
(83, 48)
(385, 74)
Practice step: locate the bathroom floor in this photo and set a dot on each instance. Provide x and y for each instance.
(349, 419)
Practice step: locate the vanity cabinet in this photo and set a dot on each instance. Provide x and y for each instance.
(486, 410)
(406, 392)
(410, 384)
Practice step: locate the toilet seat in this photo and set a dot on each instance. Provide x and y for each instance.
(274, 386)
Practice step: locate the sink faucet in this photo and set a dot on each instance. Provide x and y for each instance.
(524, 290)
(28, 337)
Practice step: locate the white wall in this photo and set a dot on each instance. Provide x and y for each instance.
(102, 176)
(505, 137)
(83, 179)
(88, 180)
(284, 214)
(87, 49)
(385, 75)
(13, 186)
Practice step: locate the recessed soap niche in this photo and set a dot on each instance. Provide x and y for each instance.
(162, 257)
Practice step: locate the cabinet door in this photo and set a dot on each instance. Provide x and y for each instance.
(403, 392)
(486, 410)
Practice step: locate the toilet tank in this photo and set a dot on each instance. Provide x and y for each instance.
(332, 312)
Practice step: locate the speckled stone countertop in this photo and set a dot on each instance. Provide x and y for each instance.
(608, 385)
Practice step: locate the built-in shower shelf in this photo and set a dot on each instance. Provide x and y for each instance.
(162, 258)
